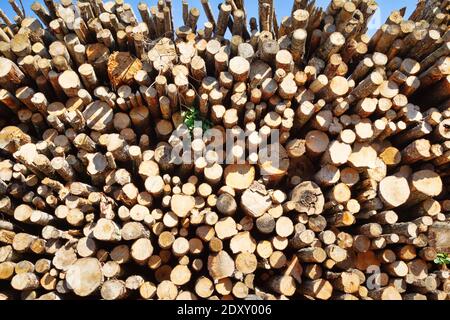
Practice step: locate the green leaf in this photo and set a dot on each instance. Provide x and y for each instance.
(192, 115)
(442, 259)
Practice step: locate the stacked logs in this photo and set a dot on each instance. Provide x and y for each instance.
(94, 103)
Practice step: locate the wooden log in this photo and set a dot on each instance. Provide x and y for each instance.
(283, 285)
(141, 250)
(308, 198)
(220, 265)
(320, 289)
(332, 45)
(12, 77)
(84, 276)
(394, 191)
(113, 290)
(222, 20)
(386, 293)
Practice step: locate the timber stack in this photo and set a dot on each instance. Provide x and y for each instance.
(350, 201)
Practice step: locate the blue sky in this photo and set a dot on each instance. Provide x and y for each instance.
(282, 7)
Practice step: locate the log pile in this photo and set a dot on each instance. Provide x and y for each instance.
(353, 202)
